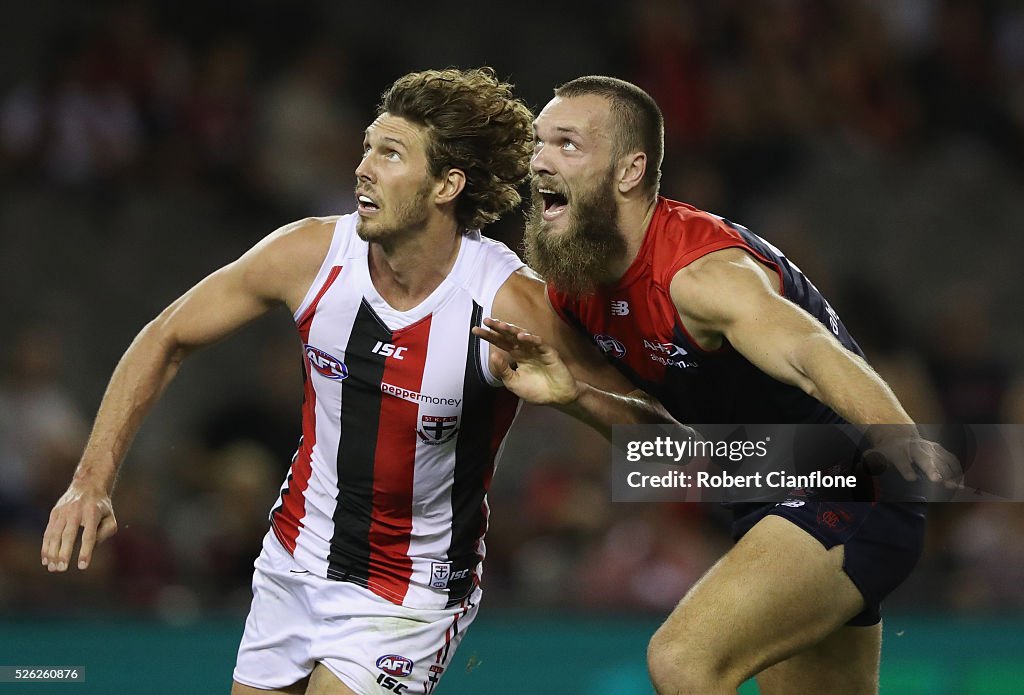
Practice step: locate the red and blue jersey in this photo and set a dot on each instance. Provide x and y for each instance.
(635, 323)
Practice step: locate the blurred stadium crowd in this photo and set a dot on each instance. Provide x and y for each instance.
(144, 144)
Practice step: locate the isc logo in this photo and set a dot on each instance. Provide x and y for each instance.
(389, 683)
(325, 364)
(389, 350)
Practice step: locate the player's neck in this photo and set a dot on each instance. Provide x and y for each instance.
(634, 218)
(404, 273)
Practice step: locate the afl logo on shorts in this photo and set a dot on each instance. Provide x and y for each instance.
(325, 364)
(610, 346)
(395, 665)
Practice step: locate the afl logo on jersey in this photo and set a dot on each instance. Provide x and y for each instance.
(610, 346)
(325, 364)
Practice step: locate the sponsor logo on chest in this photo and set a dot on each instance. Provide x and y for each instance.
(669, 354)
(389, 350)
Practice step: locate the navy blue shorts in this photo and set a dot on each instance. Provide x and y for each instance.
(882, 540)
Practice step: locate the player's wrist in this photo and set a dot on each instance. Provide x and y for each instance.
(886, 435)
(570, 397)
(92, 481)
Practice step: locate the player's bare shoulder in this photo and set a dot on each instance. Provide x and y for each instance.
(714, 290)
(721, 274)
(521, 296)
(284, 263)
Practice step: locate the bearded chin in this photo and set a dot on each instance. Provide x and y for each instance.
(575, 261)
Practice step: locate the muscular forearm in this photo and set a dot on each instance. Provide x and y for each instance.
(142, 374)
(847, 384)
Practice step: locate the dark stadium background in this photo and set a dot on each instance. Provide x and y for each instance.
(144, 144)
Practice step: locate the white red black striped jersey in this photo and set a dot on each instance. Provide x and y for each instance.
(401, 424)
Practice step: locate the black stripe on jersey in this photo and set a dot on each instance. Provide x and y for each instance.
(288, 488)
(472, 457)
(360, 418)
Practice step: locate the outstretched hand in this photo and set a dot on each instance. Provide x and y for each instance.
(909, 453)
(527, 366)
(79, 508)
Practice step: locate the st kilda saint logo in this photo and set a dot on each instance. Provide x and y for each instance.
(438, 429)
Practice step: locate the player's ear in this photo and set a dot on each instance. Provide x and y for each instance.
(632, 168)
(451, 183)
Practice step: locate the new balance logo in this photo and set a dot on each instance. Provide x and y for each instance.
(620, 307)
(389, 350)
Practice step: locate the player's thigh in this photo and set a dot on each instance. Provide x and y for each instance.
(323, 682)
(845, 662)
(776, 593)
(320, 682)
(294, 689)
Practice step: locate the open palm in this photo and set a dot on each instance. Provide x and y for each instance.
(526, 365)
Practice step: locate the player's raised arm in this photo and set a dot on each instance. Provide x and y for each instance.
(543, 361)
(278, 270)
(727, 295)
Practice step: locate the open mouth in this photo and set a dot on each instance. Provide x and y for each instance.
(555, 203)
(367, 205)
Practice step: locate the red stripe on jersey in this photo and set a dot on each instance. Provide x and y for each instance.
(287, 519)
(394, 464)
(306, 320)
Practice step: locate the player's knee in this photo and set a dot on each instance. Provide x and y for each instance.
(677, 668)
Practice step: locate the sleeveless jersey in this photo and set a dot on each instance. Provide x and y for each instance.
(636, 325)
(401, 424)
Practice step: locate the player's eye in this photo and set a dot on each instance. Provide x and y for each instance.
(569, 146)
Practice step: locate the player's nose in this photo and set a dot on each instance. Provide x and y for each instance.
(540, 162)
(364, 171)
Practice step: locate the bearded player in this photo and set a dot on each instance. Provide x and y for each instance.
(722, 328)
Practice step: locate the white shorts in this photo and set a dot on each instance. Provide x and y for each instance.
(374, 646)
